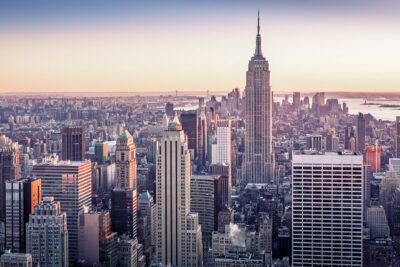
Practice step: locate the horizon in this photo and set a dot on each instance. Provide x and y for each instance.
(97, 46)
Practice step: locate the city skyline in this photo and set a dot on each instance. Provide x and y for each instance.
(99, 46)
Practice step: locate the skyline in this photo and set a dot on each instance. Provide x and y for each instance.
(132, 47)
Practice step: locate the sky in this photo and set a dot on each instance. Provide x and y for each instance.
(163, 46)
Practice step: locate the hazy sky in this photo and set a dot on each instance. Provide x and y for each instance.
(98, 45)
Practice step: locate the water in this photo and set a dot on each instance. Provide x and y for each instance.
(356, 105)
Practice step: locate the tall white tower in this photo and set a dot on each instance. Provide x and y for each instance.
(174, 247)
(258, 165)
(327, 211)
(224, 142)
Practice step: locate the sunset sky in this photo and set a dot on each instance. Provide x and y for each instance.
(129, 46)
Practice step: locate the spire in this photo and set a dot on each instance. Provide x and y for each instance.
(258, 52)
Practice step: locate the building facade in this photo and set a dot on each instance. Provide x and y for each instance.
(258, 163)
(70, 183)
(47, 234)
(173, 200)
(327, 211)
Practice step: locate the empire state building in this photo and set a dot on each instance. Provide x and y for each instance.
(258, 165)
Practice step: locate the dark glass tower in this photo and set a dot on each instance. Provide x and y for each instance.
(73, 143)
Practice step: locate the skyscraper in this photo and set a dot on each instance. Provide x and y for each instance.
(73, 143)
(360, 145)
(202, 151)
(327, 211)
(348, 135)
(202, 194)
(190, 124)
(15, 228)
(373, 157)
(314, 142)
(97, 244)
(398, 137)
(124, 195)
(70, 183)
(124, 211)
(10, 170)
(101, 152)
(258, 137)
(125, 161)
(47, 234)
(175, 226)
(224, 142)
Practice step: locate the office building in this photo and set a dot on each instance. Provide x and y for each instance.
(97, 244)
(224, 142)
(9, 259)
(127, 252)
(223, 186)
(314, 142)
(73, 143)
(202, 151)
(125, 161)
(202, 201)
(377, 222)
(258, 165)
(14, 226)
(360, 145)
(70, 183)
(101, 152)
(21, 198)
(296, 100)
(327, 212)
(397, 141)
(373, 157)
(349, 133)
(169, 109)
(175, 227)
(47, 235)
(10, 170)
(394, 165)
(124, 212)
(190, 125)
(147, 209)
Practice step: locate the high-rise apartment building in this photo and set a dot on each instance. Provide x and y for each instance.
(258, 165)
(360, 144)
(224, 142)
(176, 244)
(47, 234)
(70, 183)
(394, 165)
(327, 211)
(73, 143)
